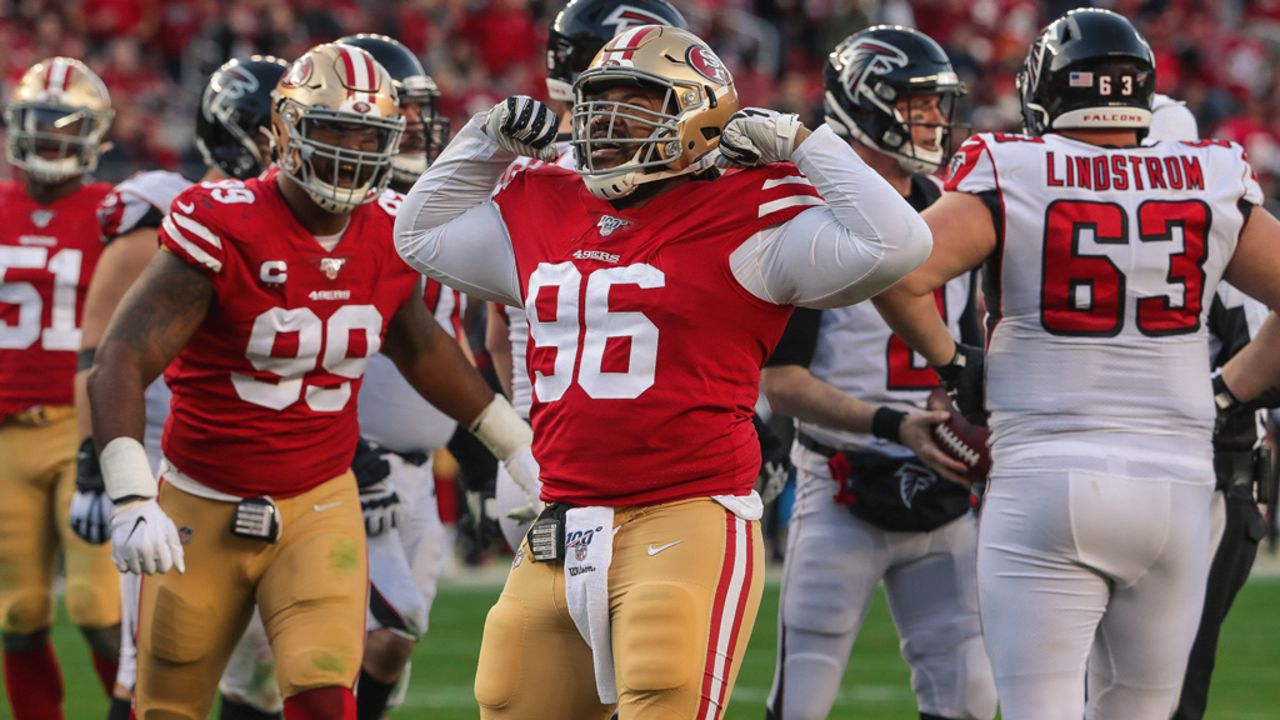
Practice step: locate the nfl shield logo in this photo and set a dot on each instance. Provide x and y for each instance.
(580, 552)
(42, 218)
(608, 224)
(331, 266)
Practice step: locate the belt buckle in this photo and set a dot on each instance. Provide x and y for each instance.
(39, 417)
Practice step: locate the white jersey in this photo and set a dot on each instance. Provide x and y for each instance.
(140, 202)
(858, 354)
(392, 413)
(852, 349)
(517, 323)
(1102, 277)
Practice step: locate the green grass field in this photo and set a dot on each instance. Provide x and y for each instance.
(875, 688)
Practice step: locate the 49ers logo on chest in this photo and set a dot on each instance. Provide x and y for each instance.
(331, 266)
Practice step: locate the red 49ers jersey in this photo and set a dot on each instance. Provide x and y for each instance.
(1099, 290)
(644, 350)
(47, 256)
(264, 392)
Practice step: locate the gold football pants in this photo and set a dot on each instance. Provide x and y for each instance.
(310, 587)
(37, 480)
(684, 587)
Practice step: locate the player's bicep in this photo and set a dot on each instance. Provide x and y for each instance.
(157, 316)
(411, 331)
(471, 253)
(121, 263)
(1255, 267)
(964, 235)
(814, 260)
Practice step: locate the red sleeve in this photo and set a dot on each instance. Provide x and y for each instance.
(188, 232)
(781, 193)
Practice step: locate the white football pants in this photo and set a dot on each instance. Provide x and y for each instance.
(1101, 569)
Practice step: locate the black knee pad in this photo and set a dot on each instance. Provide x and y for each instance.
(26, 642)
(104, 641)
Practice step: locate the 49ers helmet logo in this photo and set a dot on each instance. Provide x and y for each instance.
(707, 64)
(299, 72)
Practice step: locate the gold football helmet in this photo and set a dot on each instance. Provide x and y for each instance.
(57, 118)
(336, 126)
(683, 134)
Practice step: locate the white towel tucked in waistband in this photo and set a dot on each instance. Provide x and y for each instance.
(588, 540)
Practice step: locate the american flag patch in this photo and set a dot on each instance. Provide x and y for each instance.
(1080, 79)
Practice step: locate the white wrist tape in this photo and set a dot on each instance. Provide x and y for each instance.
(126, 470)
(501, 429)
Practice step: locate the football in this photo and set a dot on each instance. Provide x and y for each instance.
(960, 438)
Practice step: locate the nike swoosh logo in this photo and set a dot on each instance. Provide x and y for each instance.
(134, 529)
(186, 207)
(326, 506)
(655, 549)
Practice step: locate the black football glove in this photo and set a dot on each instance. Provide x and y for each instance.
(378, 499)
(965, 380)
(524, 126)
(775, 462)
(90, 506)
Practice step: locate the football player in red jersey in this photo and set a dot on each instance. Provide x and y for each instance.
(654, 290)
(262, 308)
(232, 128)
(401, 432)
(57, 121)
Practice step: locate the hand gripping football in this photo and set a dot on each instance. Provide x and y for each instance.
(961, 439)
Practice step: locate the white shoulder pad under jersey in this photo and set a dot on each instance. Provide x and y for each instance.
(1106, 262)
(142, 196)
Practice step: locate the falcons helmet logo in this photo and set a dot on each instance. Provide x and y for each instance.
(625, 17)
(222, 93)
(867, 58)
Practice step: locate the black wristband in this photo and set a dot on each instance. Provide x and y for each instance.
(886, 424)
(1223, 398)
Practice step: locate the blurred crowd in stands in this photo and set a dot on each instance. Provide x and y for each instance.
(1220, 56)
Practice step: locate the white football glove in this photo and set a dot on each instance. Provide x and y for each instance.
(524, 471)
(91, 516)
(757, 136)
(381, 507)
(524, 126)
(144, 539)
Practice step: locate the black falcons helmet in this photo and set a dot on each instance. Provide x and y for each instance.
(870, 71)
(412, 84)
(1088, 69)
(235, 107)
(583, 27)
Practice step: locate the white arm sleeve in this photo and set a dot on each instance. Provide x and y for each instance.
(448, 227)
(867, 237)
